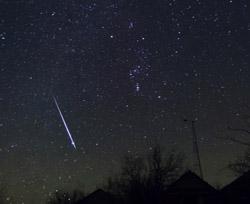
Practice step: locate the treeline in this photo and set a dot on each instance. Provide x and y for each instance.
(141, 179)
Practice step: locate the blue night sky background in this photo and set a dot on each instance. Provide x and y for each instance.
(125, 74)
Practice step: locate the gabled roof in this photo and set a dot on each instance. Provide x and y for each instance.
(98, 196)
(239, 185)
(190, 183)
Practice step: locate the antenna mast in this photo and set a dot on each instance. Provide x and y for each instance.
(196, 152)
(197, 162)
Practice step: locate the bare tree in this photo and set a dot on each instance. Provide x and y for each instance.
(240, 130)
(144, 179)
(241, 164)
(235, 138)
(133, 168)
(129, 184)
(164, 169)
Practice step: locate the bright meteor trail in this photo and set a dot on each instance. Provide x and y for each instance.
(65, 125)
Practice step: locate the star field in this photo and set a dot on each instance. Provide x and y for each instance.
(125, 74)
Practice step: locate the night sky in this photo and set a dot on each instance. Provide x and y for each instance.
(125, 73)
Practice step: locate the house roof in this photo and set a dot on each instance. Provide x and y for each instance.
(190, 183)
(98, 196)
(239, 185)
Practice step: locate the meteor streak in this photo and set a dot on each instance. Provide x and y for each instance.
(65, 125)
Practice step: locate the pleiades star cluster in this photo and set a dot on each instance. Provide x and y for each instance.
(125, 73)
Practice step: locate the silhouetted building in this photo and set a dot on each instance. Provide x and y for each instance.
(191, 189)
(99, 197)
(238, 191)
